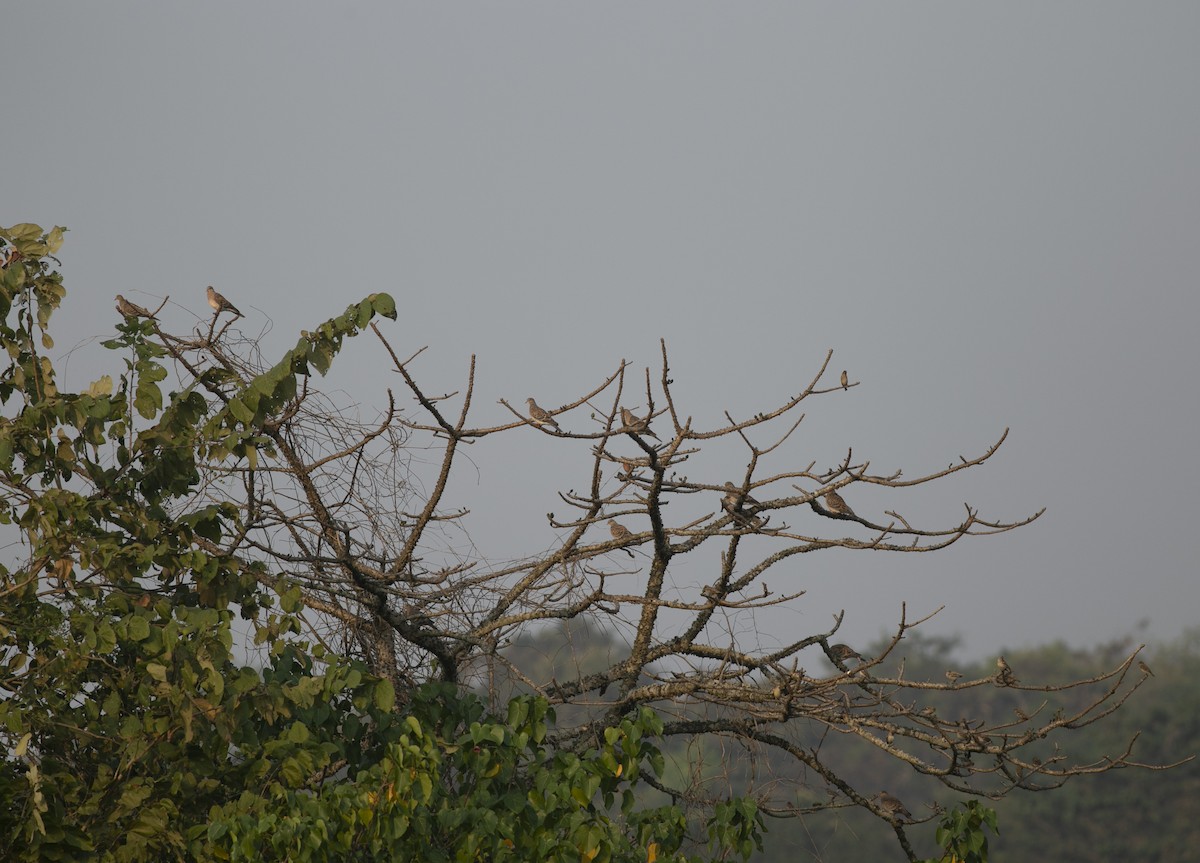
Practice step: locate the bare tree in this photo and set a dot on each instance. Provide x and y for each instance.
(389, 572)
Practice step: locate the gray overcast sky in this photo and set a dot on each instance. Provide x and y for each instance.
(991, 213)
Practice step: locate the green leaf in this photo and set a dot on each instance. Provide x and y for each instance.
(240, 411)
(101, 387)
(384, 305)
(54, 240)
(298, 732)
(23, 232)
(385, 695)
(139, 628)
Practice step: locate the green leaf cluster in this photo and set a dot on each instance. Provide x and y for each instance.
(453, 783)
(237, 428)
(961, 833)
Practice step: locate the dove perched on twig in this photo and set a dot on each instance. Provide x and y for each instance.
(892, 805)
(836, 504)
(621, 533)
(732, 502)
(132, 310)
(1004, 677)
(220, 304)
(634, 424)
(734, 499)
(540, 416)
(844, 653)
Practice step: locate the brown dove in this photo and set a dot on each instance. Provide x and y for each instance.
(541, 417)
(836, 504)
(733, 495)
(1004, 677)
(621, 533)
(892, 805)
(844, 653)
(131, 310)
(634, 424)
(220, 304)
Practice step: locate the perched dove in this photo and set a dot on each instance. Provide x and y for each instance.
(733, 495)
(845, 380)
(892, 805)
(621, 533)
(732, 502)
(634, 424)
(1005, 675)
(729, 502)
(540, 417)
(220, 304)
(414, 616)
(834, 501)
(844, 653)
(131, 310)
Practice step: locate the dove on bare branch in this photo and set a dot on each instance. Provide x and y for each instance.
(540, 416)
(220, 304)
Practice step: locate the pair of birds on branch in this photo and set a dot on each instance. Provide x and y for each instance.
(216, 300)
(631, 423)
(734, 500)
